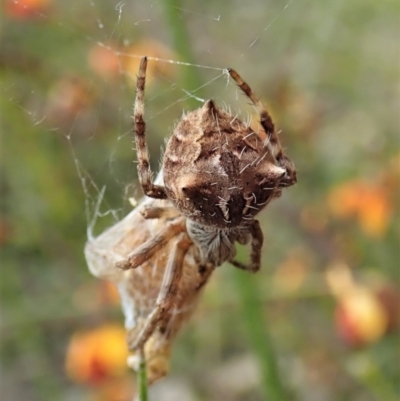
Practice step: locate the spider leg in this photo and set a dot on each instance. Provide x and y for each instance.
(272, 142)
(167, 295)
(153, 212)
(257, 239)
(152, 245)
(139, 130)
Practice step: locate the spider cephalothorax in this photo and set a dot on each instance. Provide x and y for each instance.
(217, 170)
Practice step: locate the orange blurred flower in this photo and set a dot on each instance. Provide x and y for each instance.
(25, 9)
(104, 61)
(130, 59)
(108, 61)
(370, 203)
(96, 355)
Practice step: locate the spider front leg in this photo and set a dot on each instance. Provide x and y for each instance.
(257, 239)
(139, 130)
(167, 295)
(272, 142)
(154, 244)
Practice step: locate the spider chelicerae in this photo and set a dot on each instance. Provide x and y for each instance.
(218, 174)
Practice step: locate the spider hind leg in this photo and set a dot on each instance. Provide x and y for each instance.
(167, 296)
(153, 245)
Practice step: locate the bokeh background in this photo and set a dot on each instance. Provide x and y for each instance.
(320, 322)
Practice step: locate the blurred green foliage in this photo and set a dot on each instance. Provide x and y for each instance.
(329, 73)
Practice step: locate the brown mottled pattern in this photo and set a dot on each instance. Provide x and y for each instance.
(216, 164)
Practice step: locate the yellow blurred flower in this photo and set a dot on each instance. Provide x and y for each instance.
(360, 317)
(97, 354)
(363, 314)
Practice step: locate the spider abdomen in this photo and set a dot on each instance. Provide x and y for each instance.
(217, 170)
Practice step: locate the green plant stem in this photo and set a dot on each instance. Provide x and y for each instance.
(253, 313)
(142, 379)
(247, 284)
(190, 80)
